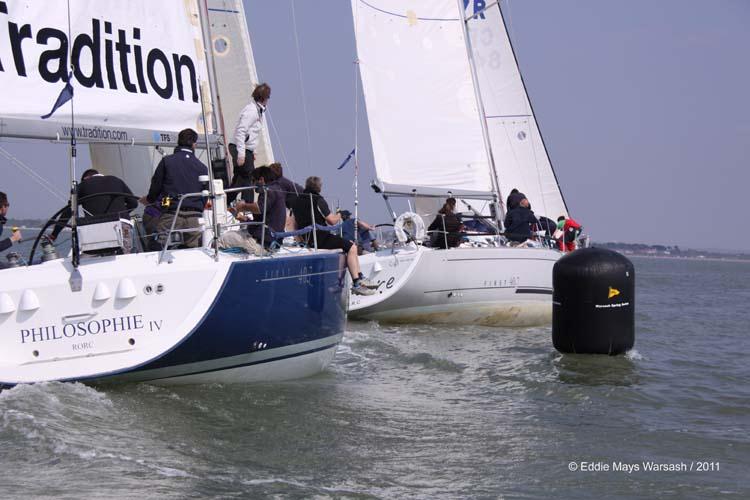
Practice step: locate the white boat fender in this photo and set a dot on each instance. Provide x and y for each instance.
(409, 226)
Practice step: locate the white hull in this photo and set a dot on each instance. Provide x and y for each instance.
(189, 320)
(483, 286)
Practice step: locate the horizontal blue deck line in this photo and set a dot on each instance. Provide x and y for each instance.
(403, 16)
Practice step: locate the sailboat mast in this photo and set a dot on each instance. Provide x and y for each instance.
(73, 154)
(498, 211)
(208, 51)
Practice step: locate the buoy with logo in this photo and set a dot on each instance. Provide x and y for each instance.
(593, 310)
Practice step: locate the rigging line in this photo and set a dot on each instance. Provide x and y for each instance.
(356, 127)
(31, 173)
(538, 171)
(510, 21)
(287, 165)
(302, 88)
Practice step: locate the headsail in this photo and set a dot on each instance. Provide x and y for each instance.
(521, 159)
(423, 115)
(137, 65)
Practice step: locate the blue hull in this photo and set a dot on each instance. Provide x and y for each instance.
(263, 305)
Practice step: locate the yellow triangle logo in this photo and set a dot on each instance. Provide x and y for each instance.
(613, 292)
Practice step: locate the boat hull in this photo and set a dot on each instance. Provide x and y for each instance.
(188, 320)
(482, 286)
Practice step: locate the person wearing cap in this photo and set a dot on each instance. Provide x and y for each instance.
(364, 237)
(514, 200)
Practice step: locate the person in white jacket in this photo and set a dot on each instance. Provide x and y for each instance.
(245, 140)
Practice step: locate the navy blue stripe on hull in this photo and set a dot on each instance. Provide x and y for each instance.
(542, 291)
(267, 304)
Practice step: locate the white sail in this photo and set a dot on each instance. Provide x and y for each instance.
(421, 105)
(236, 75)
(521, 159)
(137, 68)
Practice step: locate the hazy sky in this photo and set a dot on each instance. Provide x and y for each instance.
(643, 105)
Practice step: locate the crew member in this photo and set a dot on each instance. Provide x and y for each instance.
(176, 175)
(514, 199)
(518, 222)
(15, 236)
(92, 184)
(446, 228)
(311, 202)
(245, 140)
(365, 239)
(571, 229)
(271, 203)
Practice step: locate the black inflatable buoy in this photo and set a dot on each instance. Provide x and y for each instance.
(593, 309)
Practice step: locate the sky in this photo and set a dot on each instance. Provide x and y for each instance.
(643, 106)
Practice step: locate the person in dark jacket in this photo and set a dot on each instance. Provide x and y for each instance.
(311, 208)
(93, 183)
(271, 200)
(176, 175)
(446, 228)
(514, 200)
(518, 222)
(15, 236)
(290, 188)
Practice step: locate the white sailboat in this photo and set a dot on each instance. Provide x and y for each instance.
(179, 316)
(449, 116)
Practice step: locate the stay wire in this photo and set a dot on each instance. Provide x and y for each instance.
(302, 88)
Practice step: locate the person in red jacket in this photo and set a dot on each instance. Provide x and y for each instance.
(570, 229)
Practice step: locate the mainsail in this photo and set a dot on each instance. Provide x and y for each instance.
(135, 77)
(521, 159)
(417, 82)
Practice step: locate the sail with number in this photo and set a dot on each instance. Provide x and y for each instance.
(417, 82)
(425, 115)
(520, 156)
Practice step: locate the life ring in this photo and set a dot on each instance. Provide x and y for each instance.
(409, 226)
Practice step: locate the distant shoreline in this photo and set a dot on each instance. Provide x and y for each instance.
(699, 259)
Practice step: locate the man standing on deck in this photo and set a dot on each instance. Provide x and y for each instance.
(176, 175)
(245, 140)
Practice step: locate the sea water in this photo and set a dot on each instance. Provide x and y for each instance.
(426, 412)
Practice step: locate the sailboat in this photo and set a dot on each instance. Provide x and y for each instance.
(141, 72)
(449, 116)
